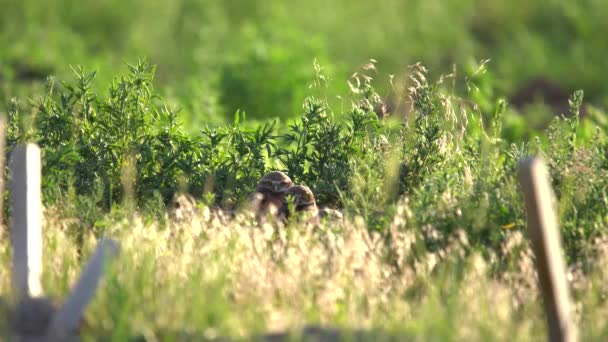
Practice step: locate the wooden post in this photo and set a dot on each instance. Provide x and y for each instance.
(546, 242)
(2, 159)
(27, 257)
(68, 318)
(26, 220)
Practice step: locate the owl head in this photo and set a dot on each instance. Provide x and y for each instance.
(303, 201)
(274, 183)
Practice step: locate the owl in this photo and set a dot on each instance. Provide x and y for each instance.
(182, 207)
(303, 200)
(268, 196)
(330, 215)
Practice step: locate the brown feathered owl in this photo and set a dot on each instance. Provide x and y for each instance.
(330, 215)
(303, 200)
(182, 207)
(268, 196)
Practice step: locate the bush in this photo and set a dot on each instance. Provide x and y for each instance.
(453, 171)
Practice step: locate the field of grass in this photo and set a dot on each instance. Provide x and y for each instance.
(211, 278)
(133, 101)
(257, 56)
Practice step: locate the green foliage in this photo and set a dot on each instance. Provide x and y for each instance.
(423, 151)
(454, 171)
(216, 57)
(325, 150)
(131, 137)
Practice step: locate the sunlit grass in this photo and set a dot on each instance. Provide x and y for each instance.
(213, 277)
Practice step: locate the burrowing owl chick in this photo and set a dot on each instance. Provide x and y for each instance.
(182, 207)
(331, 215)
(303, 200)
(272, 188)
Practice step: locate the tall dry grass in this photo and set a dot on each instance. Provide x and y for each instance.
(215, 276)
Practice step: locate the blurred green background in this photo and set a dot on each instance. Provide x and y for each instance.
(214, 57)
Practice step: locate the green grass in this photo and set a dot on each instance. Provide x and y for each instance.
(214, 58)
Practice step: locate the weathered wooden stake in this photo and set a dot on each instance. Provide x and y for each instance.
(69, 317)
(2, 159)
(546, 242)
(26, 220)
(27, 257)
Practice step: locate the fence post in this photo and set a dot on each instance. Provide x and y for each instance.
(26, 229)
(2, 159)
(26, 220)
(68, 318)
(546, 242)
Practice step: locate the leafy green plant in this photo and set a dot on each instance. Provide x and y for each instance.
(128, 149)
